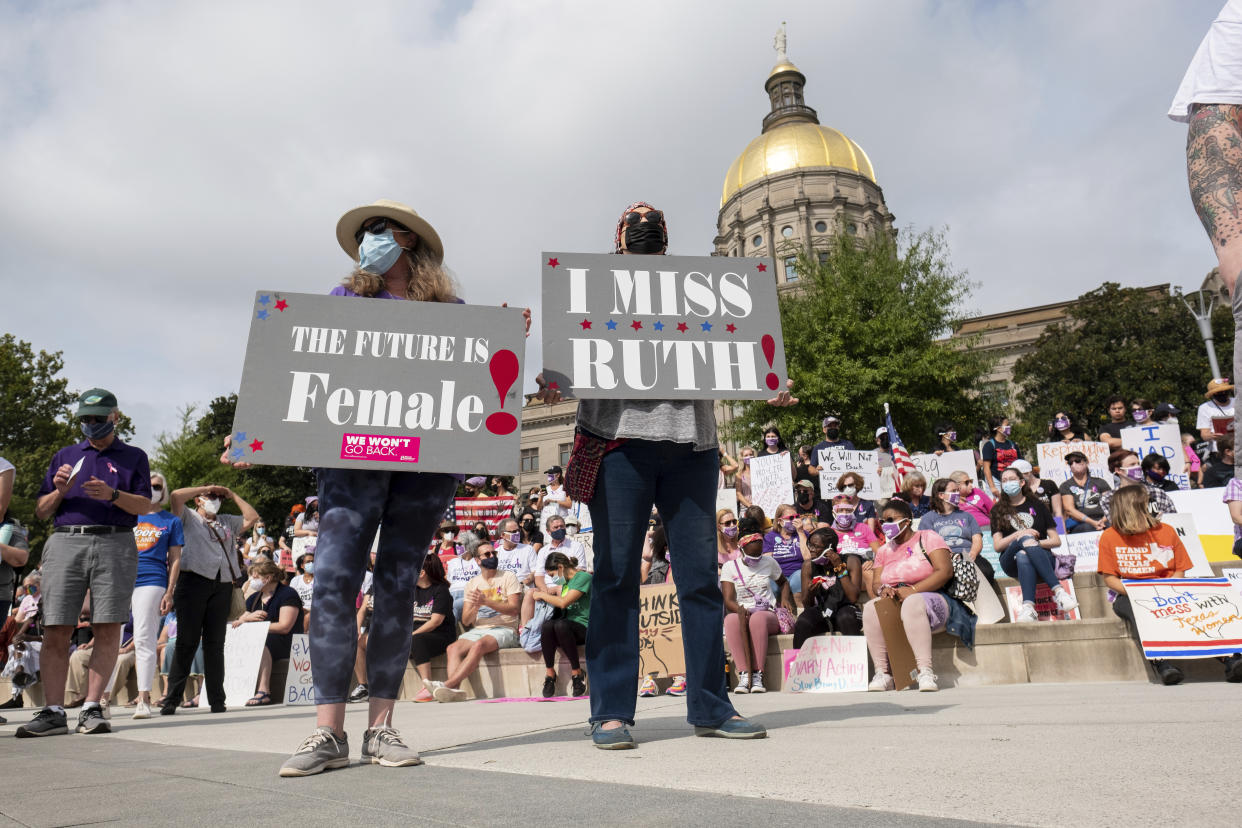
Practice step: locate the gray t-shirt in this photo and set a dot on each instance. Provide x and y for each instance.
(957, 528)
(680, 421)
(12, 534)
(202, 554)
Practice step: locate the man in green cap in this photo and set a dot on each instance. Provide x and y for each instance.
(95, 490)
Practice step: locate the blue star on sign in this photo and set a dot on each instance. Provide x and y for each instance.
(264, 299)
(236, 454)
(657, 326)
(239, 437)
(262, 314)
(707, 326)
(612, 326)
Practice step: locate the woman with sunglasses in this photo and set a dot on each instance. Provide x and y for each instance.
(663, 452)
(435, 626)
(726, 537)
(399, 257)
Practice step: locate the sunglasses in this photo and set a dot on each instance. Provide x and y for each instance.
(92, 419)
(379, 225)
(654, 217)
(728, 523)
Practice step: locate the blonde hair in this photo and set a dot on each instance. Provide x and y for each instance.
(913, 479)
(1128, 511)
(264, 568)
(429, 280)
(961, 478)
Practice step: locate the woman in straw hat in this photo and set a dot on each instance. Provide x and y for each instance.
(399, 256)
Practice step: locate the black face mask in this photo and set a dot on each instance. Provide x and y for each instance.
(644, 238)
(1220, 399)
(804, 497)
(833, 433)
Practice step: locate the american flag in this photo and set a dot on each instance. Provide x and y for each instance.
(467, 511)
(901, 458)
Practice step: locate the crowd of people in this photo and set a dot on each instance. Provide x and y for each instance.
(137, 575)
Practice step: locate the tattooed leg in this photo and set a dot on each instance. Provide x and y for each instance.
(1214, 167)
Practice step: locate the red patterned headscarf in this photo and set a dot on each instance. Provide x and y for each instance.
(616, 239)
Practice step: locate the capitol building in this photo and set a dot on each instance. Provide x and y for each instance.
(788, 191)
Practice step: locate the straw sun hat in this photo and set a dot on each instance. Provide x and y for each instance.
(349, 225)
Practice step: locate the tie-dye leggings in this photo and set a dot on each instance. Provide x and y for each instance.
(352, 504)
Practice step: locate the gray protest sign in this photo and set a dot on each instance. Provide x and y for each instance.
(380, 384)
(661, 327)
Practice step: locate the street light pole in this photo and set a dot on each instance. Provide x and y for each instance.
(1201, 310)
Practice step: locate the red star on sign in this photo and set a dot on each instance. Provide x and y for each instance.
(552, 262)
(554, 385)
(586, 324)
(281, 305)
(636, 324)
(731, 328)
(256, 445)
(681, 326)
(763, 268)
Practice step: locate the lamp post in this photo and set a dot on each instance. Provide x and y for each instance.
(1201, 310)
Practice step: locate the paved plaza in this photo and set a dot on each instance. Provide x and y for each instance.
(1066, 754)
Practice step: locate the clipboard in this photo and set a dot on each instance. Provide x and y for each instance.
(900, 656)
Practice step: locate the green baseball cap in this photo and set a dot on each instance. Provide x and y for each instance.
(96, 402)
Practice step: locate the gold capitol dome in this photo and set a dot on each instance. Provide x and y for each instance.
(794, 140)
(797, 182)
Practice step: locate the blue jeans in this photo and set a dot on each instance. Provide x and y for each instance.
(795, 585)
(352, 504)
(1029, 562)
(681, 483)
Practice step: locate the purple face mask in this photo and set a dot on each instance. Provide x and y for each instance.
(788, 525)
(1134, 473)
(771, 441)
(844, 520)
(1141, 416)
(954, 498)
(1005, 429)
(729, 531)
(1061, 424)
(749, 561)
(891, 530)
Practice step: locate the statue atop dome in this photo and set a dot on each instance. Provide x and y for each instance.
(779, 44)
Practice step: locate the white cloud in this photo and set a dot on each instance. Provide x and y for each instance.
(161, 161)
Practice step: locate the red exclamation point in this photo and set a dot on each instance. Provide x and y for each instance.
(769, 353)
(504, 368)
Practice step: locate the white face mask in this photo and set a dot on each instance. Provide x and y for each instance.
(211, 505)
(256, 584)
(448, 537)
(849, 491)
(572, 530)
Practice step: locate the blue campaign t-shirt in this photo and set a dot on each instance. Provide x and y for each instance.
(153, 535)
(958, 528)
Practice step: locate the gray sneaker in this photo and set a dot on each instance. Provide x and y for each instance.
(91, 720)
(47, 722)
(321, 750)
(383, 746)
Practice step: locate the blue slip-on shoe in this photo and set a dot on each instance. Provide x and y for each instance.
(616, 739)
(734, 729)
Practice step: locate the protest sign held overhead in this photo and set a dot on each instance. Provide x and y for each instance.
(835, 462)
(379, 384)
(1163, 439)
(661, 327)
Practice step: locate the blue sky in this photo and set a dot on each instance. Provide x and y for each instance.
(160, 161)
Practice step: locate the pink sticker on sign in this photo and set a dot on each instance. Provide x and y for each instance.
(379, 447)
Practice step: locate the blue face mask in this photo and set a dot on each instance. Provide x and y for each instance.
(97, 431)
(378, 252)
(1011, 487)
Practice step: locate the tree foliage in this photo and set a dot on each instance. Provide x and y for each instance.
(867, 326)
(191, 457)
(1127, 341)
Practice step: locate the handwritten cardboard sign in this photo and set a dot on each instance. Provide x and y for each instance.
(835, 462)
(829, 664)
(243, 649)
(1085, 547)
(661, 327)
(1187, 617)
(1164, 439)
(936, 466)
(901, 664)
(299, 688)
(1045, 603)
(1052, 465)
(380, 384)
(659, 632)
(771, 481)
